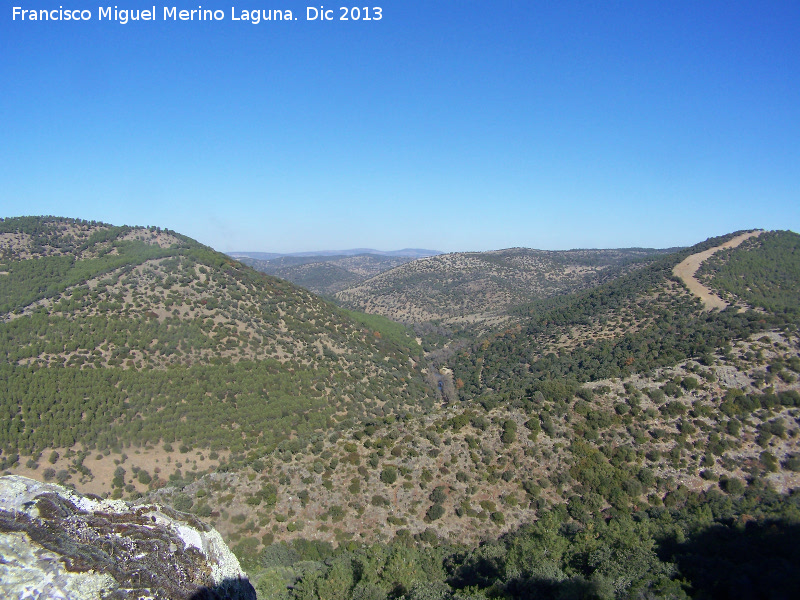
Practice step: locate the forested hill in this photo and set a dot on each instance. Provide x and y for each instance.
(644, 320)
(129, 335)
(473, 289)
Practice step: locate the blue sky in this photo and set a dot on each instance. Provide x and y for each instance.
(452, 125)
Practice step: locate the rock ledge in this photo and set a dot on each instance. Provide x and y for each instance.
(56, 543)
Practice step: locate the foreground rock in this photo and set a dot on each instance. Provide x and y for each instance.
(55, 543)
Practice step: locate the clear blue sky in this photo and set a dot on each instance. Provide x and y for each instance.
(453, 125)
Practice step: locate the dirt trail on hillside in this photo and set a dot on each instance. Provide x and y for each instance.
(686, 270)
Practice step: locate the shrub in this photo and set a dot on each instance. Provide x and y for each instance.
(182, 502)
(479, 422)
(673, 409)
(732, 485)
(509, 435)
(438, 495)
(792, 463)
(498, 518)
(690, 383)
(389, 475)
(769, 461)
(436, 511)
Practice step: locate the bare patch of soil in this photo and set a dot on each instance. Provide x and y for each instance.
(158, 463)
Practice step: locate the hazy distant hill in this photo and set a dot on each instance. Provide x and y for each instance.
(405, 252)
(480, 287)
(327, 274)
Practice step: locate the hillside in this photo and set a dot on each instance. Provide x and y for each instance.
(478, 288)
(326, 275)
(118, 337)
(625, 410)
(615, 441)
(644, 320)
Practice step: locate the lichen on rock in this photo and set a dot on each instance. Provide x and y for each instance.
(55, 543)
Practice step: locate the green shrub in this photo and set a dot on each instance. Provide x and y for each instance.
(690, 383)
(182, 502)
(792, 463)
(509, 435)
(732, 485)
(498, 518)
(436, 511)
(389, 475)
(438, 495)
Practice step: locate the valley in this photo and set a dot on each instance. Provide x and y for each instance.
(617, 407)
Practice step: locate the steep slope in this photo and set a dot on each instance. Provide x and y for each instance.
(113, 336)
(473, 471)
(480, 287)
(623, 442)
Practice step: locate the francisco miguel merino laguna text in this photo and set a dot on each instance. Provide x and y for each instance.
(254, 16)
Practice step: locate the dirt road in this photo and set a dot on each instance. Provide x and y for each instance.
(687, 269)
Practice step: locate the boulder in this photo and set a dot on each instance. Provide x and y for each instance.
(56, 543)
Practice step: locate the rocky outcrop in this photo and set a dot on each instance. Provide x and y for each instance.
(55, 543)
